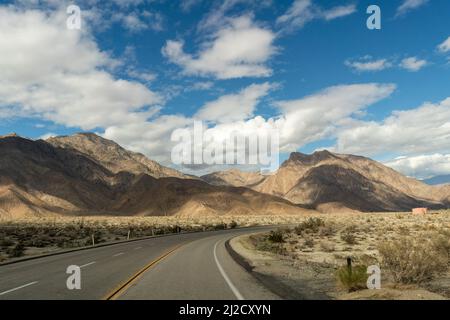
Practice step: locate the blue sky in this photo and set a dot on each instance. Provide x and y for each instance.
(137, 70)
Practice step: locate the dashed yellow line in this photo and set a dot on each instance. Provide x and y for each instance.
(124, 286)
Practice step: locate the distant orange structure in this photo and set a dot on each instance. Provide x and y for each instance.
(420, 211)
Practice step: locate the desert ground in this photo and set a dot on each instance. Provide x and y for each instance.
(310, 259)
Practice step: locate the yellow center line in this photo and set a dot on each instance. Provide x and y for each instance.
(116, 293)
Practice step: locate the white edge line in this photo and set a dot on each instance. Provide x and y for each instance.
(225, 276)
(118, 254)
(21, 287)
(87, 264)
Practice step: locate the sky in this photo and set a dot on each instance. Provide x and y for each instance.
(137, 70)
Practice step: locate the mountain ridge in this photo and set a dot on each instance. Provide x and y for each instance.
(40, 178)
(335, 180)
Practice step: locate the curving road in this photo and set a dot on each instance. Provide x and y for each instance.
(183, 266)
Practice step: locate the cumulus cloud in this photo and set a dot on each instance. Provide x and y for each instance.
(422, 130)
(240, 49)
(413, 64)
(318, 116)
(61, 75)
(234, 107)
(409, 5)
(299, 121)
(367, 63)
(422, 166)
(303, 11)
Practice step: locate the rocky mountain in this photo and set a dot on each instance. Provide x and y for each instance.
(234, 177)
(333, 182)
(112, 156)
(87, 175)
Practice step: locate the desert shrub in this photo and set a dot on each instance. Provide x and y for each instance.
(17, 251)
(441, 243)
(348, 238)
(327, 246)
(412, 260)
(312, 225)
(233, 224)
(4, 243)
(327, 231)
(309, 242)
(262, 243)
(404, 231)
(220, 226)
(352, 278)
(276, 236)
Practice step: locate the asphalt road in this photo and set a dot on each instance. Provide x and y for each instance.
(183, 266)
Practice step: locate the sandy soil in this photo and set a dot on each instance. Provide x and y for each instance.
(307, 262)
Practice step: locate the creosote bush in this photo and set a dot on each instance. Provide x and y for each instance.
(17, 251)
(276, 236)
(312, 225)
(414, 260)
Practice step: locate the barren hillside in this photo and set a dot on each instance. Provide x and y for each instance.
(42, 178)
(330, 182)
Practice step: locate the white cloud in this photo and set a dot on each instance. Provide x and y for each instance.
(445, 46)
(299, 121)
(234, 107)
(61, 75)
(368, 64)
(422, 130)
(149, 137)
(136, 21)
(217, 19)
(143, 76)
(241, 49)
(187, 5)
(318, 116)
(202, 85)
(413, 64)
(422, 166)
(339, 12)
(409, 5)
(303, 11)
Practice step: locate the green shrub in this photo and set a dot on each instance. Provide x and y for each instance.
(352, 278)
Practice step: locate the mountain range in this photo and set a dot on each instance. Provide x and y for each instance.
(85, 174)
(331, 182)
